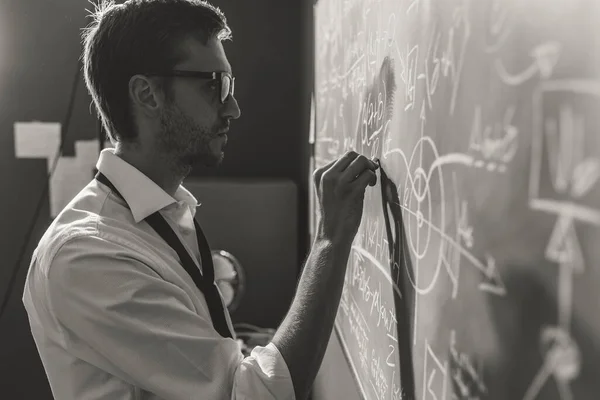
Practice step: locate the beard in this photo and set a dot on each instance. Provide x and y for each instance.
(188, 143)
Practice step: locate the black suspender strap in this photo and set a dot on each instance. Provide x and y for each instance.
(205, 282)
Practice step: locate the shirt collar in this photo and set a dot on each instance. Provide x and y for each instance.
(143, 196)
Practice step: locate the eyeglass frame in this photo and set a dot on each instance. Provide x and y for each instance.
(214, 75)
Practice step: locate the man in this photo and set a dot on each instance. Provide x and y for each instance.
(114, 307)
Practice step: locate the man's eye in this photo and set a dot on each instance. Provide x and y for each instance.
(213, 85)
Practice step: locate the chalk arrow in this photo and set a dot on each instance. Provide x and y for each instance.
(564, 247)
(545, 57)
(493, 282)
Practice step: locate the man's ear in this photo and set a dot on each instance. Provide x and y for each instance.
(144, 94)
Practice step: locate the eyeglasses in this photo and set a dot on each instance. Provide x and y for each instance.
(225, 80)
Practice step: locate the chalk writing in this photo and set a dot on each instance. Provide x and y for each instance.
(501, 26)
(413, 7)
(359, 332)
(496, 143)
(408, 75)
(435, 376)
(453, 63)
(396, 393)
(434, 63)
(464, 374)
(442, 60)
(378, 376)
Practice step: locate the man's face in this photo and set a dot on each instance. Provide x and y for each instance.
(193, 121)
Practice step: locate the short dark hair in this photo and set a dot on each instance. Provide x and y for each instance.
(136, 36)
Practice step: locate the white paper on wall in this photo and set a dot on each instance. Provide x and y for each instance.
(42, 140)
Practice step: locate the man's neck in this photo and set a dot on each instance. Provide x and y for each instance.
(159, 168)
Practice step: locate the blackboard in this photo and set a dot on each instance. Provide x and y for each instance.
(475, 273)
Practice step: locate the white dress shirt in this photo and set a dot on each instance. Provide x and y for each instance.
(113, 313)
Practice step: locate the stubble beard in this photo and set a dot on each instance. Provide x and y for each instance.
(186, 143)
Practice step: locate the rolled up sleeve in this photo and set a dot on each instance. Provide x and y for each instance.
(145, 330)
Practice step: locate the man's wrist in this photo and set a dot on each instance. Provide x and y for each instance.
(338, 241)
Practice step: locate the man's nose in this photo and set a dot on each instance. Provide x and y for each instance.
(232, 108)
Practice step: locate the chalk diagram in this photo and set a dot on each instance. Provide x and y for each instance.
(416, 203)
(562, 175)
(419, 212)
(544, 58)
(559, 161)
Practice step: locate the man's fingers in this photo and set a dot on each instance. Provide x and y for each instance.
(348, 167)
(318, 173)
(367, 178)
(336, 166)
(360, 164)
(344, 161)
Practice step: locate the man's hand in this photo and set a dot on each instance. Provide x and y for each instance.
(341, 188)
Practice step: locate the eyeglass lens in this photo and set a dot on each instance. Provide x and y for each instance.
(226, 87)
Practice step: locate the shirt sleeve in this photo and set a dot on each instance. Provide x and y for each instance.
(145, 330)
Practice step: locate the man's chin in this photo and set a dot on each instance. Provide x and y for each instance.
(209, 160)
(217, 161)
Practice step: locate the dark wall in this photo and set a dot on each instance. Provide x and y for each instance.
(39, 48)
